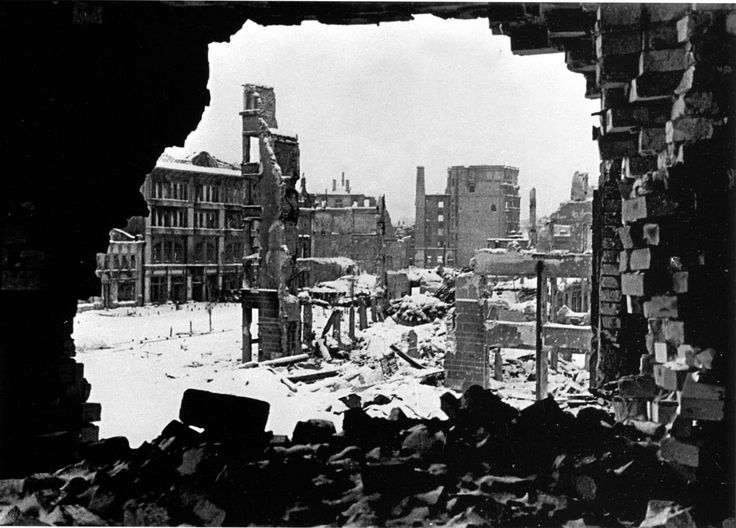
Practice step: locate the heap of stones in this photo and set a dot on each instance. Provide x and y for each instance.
(488, 465)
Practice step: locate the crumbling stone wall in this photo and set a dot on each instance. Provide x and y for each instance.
(467, 363)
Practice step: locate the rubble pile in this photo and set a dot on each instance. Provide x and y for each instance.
(487, 465)
(417, 309)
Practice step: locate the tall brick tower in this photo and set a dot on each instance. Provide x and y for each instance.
(419, 220)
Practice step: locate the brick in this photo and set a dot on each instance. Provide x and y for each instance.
(652, 140)
(612, 146)
(652, 86)
(91, 412)
(661, 306)
(611, 322)
(664, 411)
(683, 453)
(634, 387)
(610, 308)
(633, 284)
(612, 16)
(661, 36)
(648, 206)
(689, 129)
(615, 69)
(701, 401)
(609, 269)
(661, 354)
(665, 12)
(612, 282)
(645, 259)
(634, 166)
(668, 378)
(612, 296)
(610, 243)
(618, 43)
(694, 104)
(674, 332)
(666, 60)
(610, 257)
(612, 96)
(633, 305)
(224, 413)
(623, 261)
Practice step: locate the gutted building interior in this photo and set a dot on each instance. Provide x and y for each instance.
(94, 92)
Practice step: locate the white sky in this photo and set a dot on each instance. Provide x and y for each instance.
(377, 101)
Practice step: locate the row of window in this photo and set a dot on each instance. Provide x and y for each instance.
(173, 250)
(202, 193)
(118, 261)
(177, 217)
(168, 217)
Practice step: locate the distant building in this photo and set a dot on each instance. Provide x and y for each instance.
(480, 202)
(345, 224)
(120, 270)
(569, 228)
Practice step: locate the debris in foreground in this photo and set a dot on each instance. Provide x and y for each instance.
(488, 465)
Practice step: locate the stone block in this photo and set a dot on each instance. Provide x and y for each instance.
(701, 401)
(656, 85)
(618, 43)
(613, 16)
(623, 261)
(665, 12)
(661, 306)
(635, 166)
(224, 414)
(694, 103)
(652, 140)
(674, 332)
(645, 259)
(633, 284)
(683, 453)
(614, 146)
(624, 234)
(666, 60)
(648, 206)
(614, 95)
(617, 69)
(669, 378)
(689, 129)
(661, 36)
(664, 411)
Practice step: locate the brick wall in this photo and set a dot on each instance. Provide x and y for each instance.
(467, 363)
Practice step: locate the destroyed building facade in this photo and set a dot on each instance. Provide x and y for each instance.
(480, 202)
(569, 228)
(350, 225)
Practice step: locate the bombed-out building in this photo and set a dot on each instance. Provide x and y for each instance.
(480, 202)
(569, 227)
(345, 224)
(662, 272)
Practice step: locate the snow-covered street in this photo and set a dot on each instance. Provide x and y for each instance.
(140, 360)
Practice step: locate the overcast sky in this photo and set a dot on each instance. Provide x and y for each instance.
(377, 101)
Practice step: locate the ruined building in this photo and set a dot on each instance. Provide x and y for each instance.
(192, 238)
(121, 270)
(480, 202)
(663, 212)
(270, 169)
(345, 224)
(569, 227)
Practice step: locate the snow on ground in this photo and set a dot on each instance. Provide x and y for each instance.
(139, 362)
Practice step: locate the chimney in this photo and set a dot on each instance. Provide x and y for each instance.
(347, 186)
(533, 217)
(334, 184)
(343, 179)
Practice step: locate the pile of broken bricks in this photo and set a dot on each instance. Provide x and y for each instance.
(488, 465)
